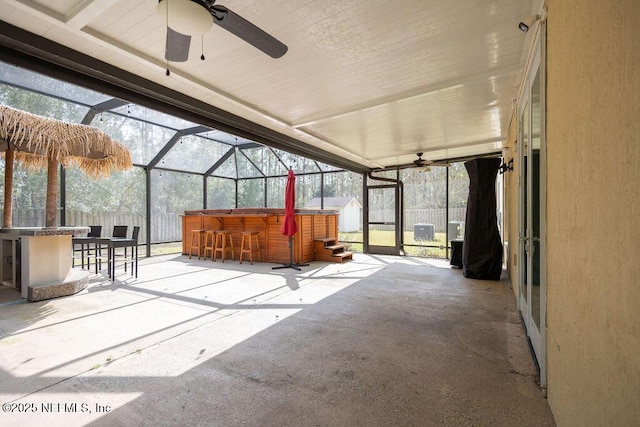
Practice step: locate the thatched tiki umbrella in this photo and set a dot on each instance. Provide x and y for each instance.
(40, 142)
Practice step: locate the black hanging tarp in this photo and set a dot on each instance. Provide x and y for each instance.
(482, 248)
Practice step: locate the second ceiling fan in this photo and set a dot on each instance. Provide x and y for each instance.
(426, 164)
(186, 18)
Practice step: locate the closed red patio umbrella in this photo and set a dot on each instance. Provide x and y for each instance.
(289, 226)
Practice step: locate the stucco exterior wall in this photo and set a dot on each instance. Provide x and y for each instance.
(593, 211)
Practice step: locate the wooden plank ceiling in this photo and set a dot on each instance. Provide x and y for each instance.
(371, 81)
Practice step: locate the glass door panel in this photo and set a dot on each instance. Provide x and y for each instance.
(534, 195)
(531, 253)
(523, 232)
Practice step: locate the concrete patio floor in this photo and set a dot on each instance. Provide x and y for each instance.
(377, 341)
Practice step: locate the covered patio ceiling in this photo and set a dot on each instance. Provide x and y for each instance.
(365, 84)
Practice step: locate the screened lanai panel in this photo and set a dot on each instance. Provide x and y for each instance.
(425, 210)
(40, 83)
(307, 187)
(144, 140)
(268, 163)
(251, 193)
(171, 194)
(116, 200)
(221, 193)
(228, 168)
(42, 105)
(246, 169)
(381, 205)
(227, 138)
(346, 186)
(304, 165)
(153, 116)
(327, 168)
(29, 195)
(297, 163)
(193, 153)
(275, 192)
(343, 184)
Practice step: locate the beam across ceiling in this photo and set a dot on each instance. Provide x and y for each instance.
(28, 50)
(84, 12)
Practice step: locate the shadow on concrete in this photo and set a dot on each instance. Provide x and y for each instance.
(378, 343)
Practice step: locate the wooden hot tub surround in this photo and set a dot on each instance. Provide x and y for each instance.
(312, 225)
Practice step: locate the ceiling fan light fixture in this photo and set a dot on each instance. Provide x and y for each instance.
(185, 16)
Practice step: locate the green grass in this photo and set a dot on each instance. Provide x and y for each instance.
(387, 238)
(166, 248)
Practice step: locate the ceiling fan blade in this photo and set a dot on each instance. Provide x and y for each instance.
(177, 49)
(248, 32)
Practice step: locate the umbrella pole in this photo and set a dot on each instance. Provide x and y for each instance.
(7, 214)
(291, 264)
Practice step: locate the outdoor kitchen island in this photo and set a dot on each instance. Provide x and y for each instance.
(313, 225)
(37, 261)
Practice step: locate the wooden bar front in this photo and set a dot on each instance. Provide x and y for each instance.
(312, 224)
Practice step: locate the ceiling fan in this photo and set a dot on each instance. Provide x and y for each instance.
(426, 164)
(186, 18)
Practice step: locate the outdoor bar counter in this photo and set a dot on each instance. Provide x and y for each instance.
(44, 269)
(312, 224)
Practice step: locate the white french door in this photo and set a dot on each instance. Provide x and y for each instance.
(531, 224)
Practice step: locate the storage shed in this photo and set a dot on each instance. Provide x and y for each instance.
(348, 208)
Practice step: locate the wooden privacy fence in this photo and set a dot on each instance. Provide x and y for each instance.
(168, 227)
(164, 227)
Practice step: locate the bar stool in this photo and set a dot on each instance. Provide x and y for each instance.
(124, 257)
(119, 232)
(221, 245)
(196, 240)
(209, 242)
(85, 243)
(246, 247)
